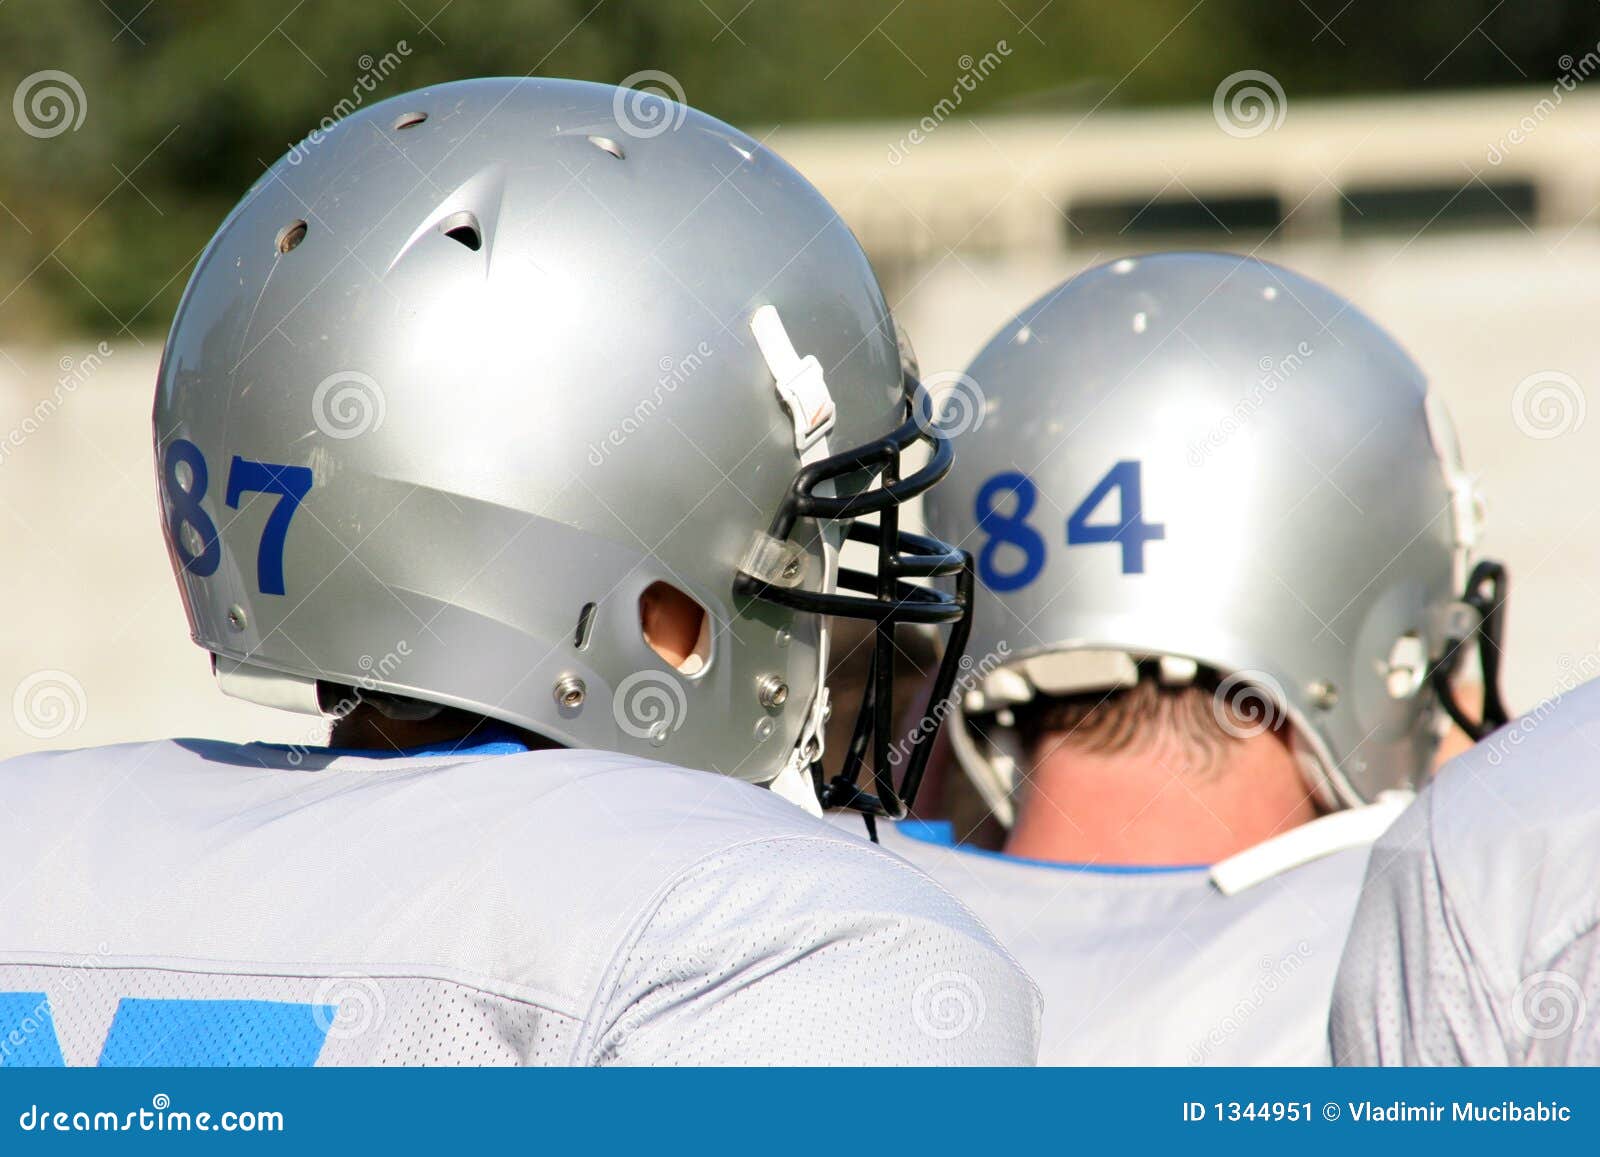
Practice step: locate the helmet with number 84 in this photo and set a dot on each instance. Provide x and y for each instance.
(1197, 465)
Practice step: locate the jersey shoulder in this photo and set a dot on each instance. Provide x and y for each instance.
(565, 878)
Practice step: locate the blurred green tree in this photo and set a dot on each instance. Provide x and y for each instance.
(187, 101)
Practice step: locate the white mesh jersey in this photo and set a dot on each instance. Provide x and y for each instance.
(196, 903)
(1477, 939)
(1157, 966)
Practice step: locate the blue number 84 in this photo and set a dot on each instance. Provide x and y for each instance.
(1011, 528)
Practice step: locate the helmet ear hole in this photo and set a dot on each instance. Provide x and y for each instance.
(676, 627)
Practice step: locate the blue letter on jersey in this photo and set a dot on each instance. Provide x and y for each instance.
(28, 1032)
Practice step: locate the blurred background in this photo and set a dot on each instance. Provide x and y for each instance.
(1435, 161)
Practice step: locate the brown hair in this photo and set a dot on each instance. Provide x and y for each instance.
(1203, 718)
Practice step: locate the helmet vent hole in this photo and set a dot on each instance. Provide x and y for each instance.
(463, 228)
(290, 236)
(607, 145)
(676, 627)
(409, 120)
(580, 638)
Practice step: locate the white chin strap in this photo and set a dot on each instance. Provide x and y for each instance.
(804, 393)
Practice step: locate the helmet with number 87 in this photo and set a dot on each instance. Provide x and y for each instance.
(467, 375)
(1194, 462)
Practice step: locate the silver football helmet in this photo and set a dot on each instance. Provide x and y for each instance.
(464, 375)
(1200, 463)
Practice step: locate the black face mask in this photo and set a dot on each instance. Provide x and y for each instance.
(882, 596)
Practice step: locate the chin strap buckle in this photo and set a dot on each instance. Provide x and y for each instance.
(801, 385)
(804, 392)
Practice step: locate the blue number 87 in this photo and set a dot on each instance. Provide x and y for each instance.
(290, 483)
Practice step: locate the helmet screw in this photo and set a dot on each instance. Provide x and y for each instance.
(570, 691)
(1325, 695)
(772, 691)
(791, 569)
(763, 728)
(236, 618)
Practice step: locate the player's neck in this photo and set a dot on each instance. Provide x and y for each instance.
(1149, 807)
(366, 729)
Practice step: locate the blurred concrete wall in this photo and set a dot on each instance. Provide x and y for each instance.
(969, 225)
